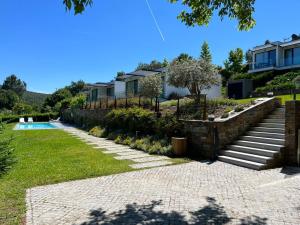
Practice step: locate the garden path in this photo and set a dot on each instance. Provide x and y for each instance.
(121, 152)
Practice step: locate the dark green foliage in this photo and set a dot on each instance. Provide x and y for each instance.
(22, 108)
(78, 5)
(183, 56)
(8, 99)
(14, 84)
(280, 87)
(6, 150)
(37, 117)
(130, 120)
(153, 65)
(205, 52)
(200, 12)
(259, 79)
(36, 100)
(138, 119)
(57, 96)
(76, 87)
(285, 78)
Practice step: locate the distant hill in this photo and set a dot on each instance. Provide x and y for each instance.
(34, 98)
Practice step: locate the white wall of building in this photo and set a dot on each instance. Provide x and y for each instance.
(213, 92)
(120, 89)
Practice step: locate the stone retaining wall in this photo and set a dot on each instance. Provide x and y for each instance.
(84, 118)
(206, 138)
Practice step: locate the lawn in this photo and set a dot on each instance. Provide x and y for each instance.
(47, 157)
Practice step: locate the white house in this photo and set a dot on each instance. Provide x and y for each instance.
(276, 55)
(128, 85)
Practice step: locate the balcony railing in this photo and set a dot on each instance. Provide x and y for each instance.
(262, 65)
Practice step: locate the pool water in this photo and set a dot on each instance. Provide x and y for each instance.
(34, 126)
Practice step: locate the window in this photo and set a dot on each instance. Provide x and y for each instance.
(94, 94)
(292, 56)
(265, 59)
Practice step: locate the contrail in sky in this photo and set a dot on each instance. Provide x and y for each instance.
(156, 23)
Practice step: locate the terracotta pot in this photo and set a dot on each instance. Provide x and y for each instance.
(179, 146)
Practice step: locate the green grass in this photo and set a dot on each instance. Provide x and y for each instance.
(285, 98)
(47, 157)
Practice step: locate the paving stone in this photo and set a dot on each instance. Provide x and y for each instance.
(150, 164)
(149, 159)
(132, 156)
(191, 193)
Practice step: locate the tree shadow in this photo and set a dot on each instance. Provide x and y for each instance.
(290, 171)
(212, 213)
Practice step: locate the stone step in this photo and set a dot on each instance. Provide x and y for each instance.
(246, 156)
(259, 145)
(271, 125)
(265, 134)
(263, 140)
(242, 162)
(280, 121)
(269, 130)
(281, 117)
(250, 150)
(151, 164)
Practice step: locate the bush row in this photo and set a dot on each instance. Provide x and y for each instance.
(137, 119)
(147, 143)
(38, 117)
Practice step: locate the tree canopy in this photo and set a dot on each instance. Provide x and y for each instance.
(153, 65)
(196, 75)
(151, 86)
(205, 52)
(13, 83)
(199, 12)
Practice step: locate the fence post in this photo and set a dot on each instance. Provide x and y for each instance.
(90, 104)
(139, 101)
(100, 104)
(204, 108)
(115, 102)
(95, 104)
(177, 110)
(126, 104)
(107, 102)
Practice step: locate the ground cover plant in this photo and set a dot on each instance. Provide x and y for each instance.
(47, 157)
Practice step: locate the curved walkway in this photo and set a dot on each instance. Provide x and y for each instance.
(191, 193)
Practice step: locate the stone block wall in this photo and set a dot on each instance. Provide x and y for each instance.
(292, 125)
(206, 138)
(84, 118)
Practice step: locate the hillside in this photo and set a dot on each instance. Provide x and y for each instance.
(34, 98)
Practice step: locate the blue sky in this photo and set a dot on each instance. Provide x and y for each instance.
(48, 47)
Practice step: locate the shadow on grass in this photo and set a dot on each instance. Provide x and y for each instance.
(212, 213)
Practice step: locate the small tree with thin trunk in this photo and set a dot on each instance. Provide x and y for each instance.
(196, 75)
(151, 86)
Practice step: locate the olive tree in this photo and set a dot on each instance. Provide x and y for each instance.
(196, 75)
(151, 86)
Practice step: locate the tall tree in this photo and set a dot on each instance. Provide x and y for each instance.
(153, 65)
(234, 63)
(196, 75)
(200, 11)
(76, 87)
(183, 57)
(205, 52)
(13, 83)
(8, 99)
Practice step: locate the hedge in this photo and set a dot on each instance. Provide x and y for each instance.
(37, 117)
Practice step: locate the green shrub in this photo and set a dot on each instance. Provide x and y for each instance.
(96, 131)
(6, 157)
(238, 108)
(168, 126)
(130, 120)
(280, 87)
(227, 110)
(259, 79)
(285, 78)
(37, 117)
(225, 115)
(119, 139)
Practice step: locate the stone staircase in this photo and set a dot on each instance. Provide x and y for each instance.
(260, 148)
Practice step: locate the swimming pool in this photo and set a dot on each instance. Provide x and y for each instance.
(35, 126)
